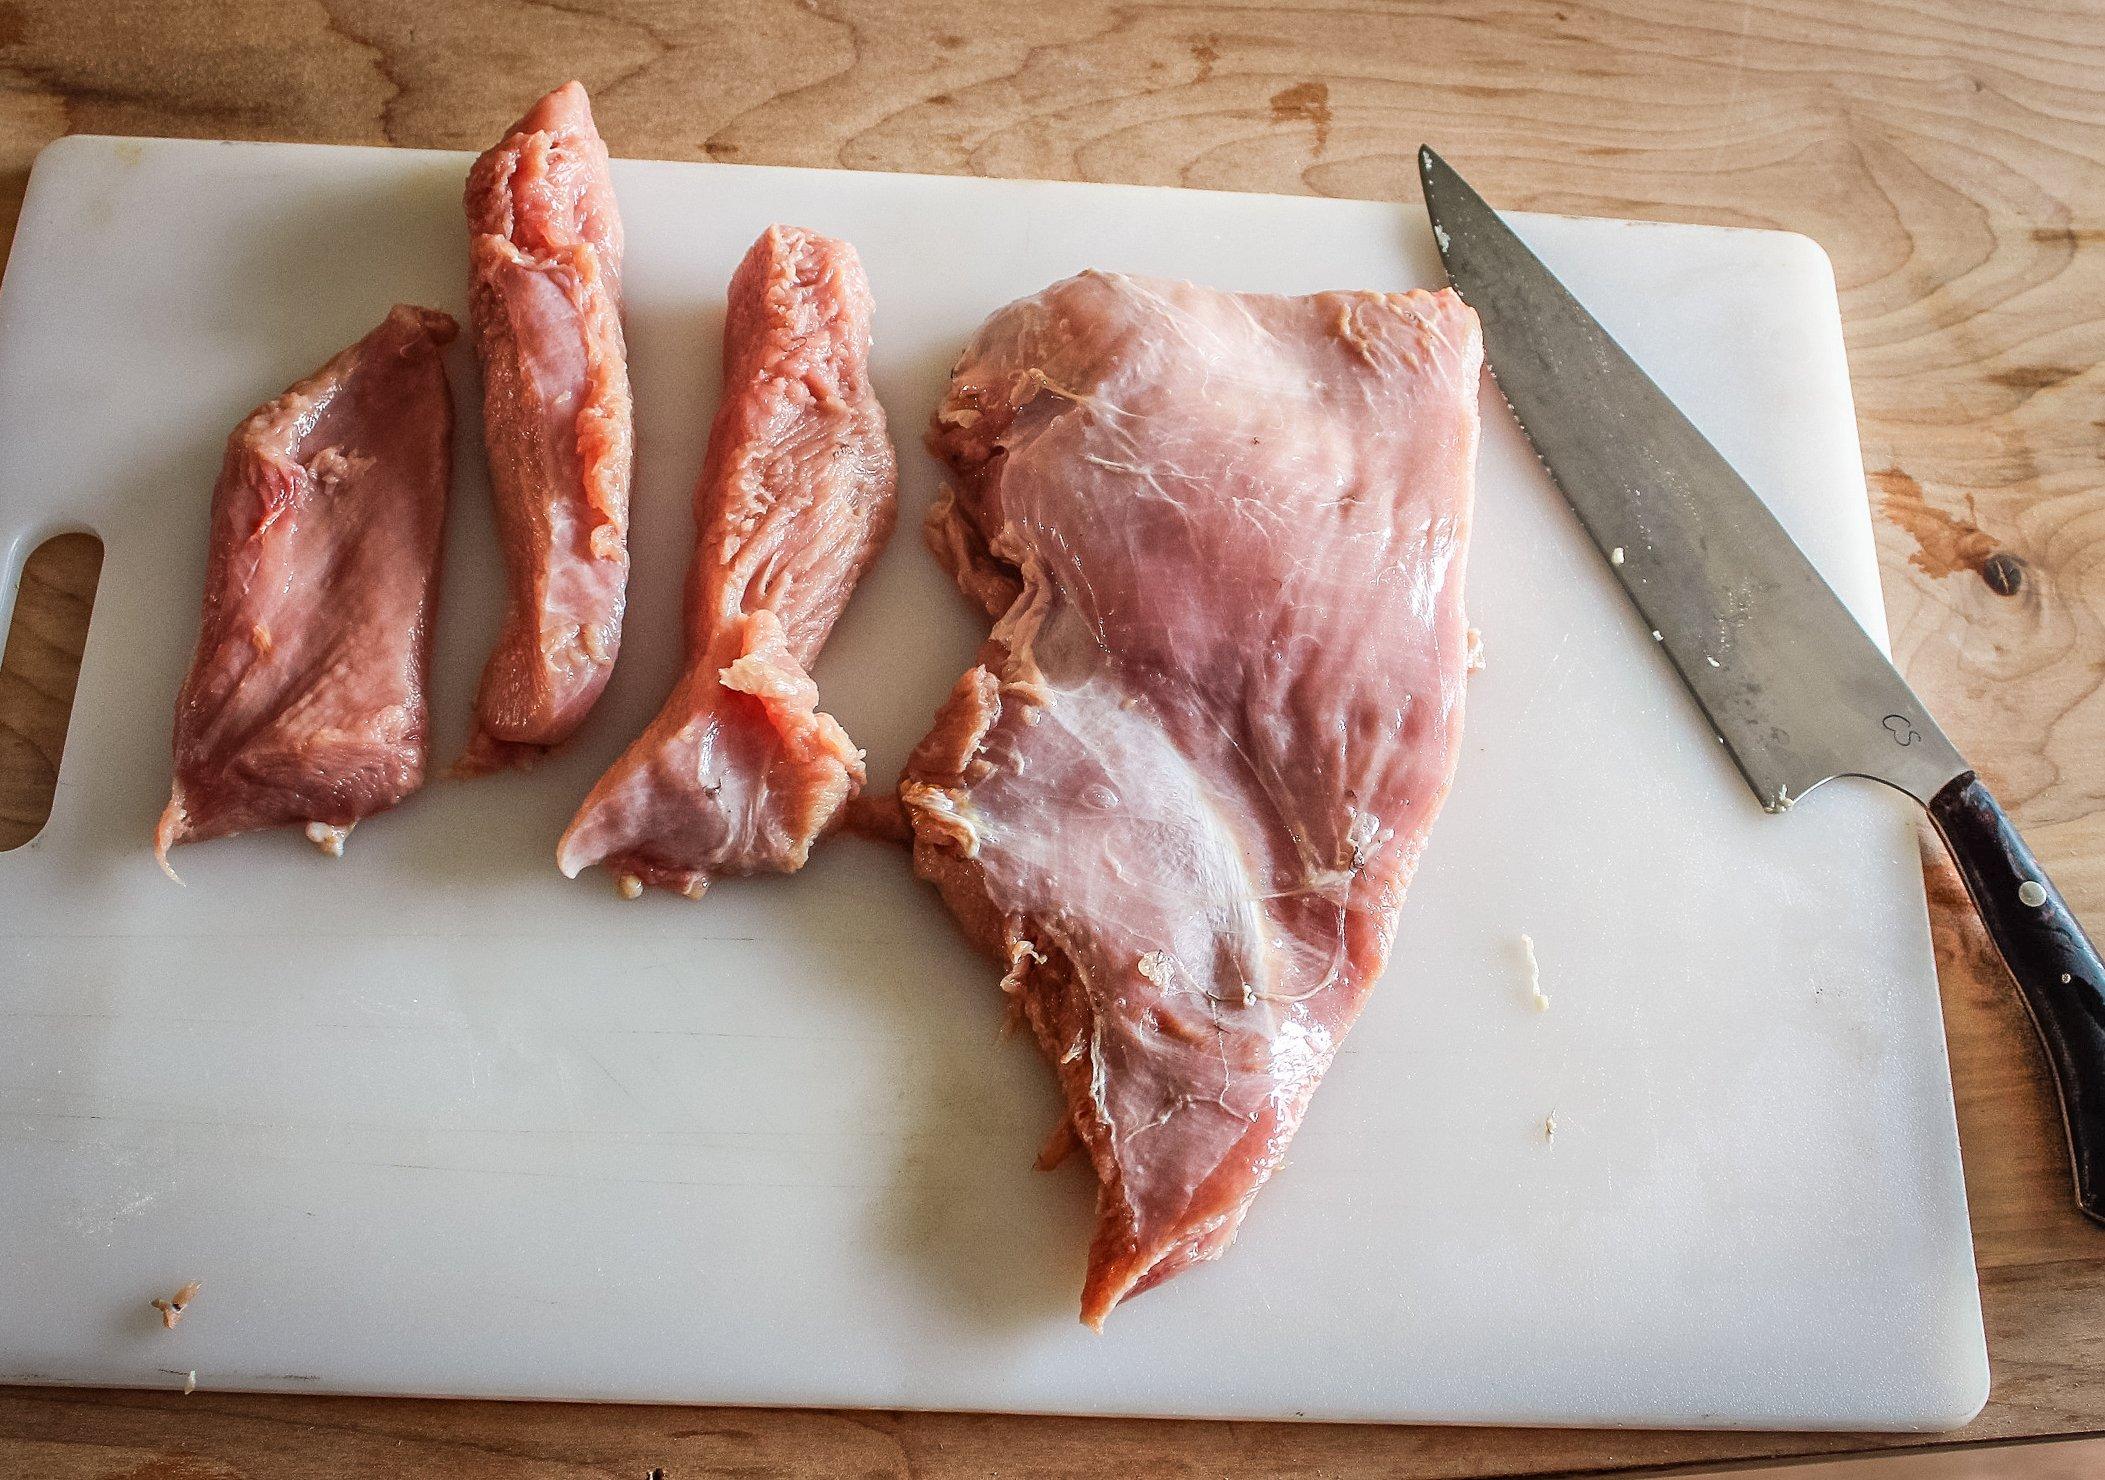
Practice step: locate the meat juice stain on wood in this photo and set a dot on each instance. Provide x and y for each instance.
(1945, 543)
(1305, 102)
(2034, 377)
(1206, 50)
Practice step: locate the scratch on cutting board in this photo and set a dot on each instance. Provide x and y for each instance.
(600, 1064)
(1543, 688)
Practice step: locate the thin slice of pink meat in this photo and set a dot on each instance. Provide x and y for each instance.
(306, 702)
(1180, 797)
(544, 258)
(741, 772)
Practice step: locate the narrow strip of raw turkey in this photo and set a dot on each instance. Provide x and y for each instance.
(741, 772)
(1181, 795)
(306, 702)
(544, 257)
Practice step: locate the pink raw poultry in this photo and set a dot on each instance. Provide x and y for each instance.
(306, 701)
(740, 771)
(544, 257)
(1183, 792)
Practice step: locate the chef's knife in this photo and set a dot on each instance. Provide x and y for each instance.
(1793, 686)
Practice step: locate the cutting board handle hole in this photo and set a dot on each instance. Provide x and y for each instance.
(47, 626)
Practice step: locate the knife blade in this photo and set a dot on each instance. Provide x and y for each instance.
(1793, 686)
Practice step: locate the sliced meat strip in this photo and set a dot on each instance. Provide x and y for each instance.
(1182, 793)
(306, 702)
(741, 772)
(545, 299)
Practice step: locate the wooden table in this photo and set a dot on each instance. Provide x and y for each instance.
(1946, 152)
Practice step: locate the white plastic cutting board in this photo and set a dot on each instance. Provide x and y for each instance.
(430, 1119)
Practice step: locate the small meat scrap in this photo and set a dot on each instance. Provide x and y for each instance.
(741, 771)
(172, 1308)
(544, 257)
(1535, 993)
(306, 702)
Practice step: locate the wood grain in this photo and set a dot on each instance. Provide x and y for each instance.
(37, 674)
(1949, 154)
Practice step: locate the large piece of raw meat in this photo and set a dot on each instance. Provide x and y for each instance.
(306, 701)
(544, 258)
(741, 772)
(1181, 795)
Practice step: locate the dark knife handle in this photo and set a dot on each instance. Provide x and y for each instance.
(2053, 962)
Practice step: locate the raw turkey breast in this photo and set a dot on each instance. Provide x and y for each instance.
(544, 259)
(741, 772)
(1221, 537)
(306, 702)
